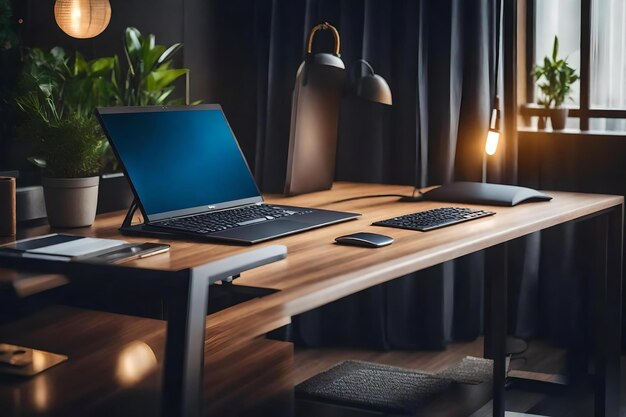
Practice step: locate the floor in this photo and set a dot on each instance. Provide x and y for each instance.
(539, 357)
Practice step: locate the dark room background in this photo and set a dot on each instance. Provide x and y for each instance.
(244, 54)
(439, 59)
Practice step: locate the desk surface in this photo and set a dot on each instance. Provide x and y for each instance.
(317, 271)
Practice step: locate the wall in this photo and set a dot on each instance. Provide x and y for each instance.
(171, 21)
(590, 162)
(164, 18)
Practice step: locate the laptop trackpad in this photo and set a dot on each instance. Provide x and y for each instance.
(260, 231)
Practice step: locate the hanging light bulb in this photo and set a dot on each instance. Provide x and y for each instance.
(82, 18)
(493, 135)
(491, 145)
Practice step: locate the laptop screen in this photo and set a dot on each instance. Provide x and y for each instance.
(179, 161)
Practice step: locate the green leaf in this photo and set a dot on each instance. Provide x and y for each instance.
(169, 53)
(58, 53)
(555, 48)
(150, 57)
(41, 163)
(46, 89)
(164, 96)
(80, 65)
(101, 66)
(158, 80)
(132, 40)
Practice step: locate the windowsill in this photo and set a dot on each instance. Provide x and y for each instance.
(534, 109)
(570, 132)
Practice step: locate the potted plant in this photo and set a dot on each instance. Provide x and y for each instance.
(554, 79)
(57, 98)
(56, 101)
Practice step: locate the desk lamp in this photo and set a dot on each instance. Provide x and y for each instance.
(372, 87)
(314, 118)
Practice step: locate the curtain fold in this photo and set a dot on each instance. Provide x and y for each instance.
(438, 57)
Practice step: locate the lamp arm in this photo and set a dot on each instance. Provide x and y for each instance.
(323, 26)
(367, 64)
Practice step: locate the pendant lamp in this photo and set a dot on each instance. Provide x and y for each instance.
(82, 19)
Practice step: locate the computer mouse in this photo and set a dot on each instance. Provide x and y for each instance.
(365, 240)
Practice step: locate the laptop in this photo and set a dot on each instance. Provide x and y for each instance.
(189, 176)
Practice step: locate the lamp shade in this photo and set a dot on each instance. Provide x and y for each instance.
(82, 18)
(374, 88)
(371, 86)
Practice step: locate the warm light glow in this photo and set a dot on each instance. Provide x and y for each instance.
(135, 362)
(82, 18)
(491, 144)
(41, 393)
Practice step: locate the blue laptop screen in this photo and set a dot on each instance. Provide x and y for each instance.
(180, 159)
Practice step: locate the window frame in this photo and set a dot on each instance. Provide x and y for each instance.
(584, 112)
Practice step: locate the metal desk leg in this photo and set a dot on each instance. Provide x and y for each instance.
(184, 351)
(496, 320)
(608, 312)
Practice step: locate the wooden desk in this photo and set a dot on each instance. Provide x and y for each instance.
(115, 366)
(318, 272)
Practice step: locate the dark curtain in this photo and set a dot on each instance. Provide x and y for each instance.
(438, 57)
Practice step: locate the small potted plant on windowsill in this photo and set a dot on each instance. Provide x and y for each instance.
(554, 79)
(56, 101)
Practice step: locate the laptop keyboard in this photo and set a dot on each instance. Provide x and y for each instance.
(434, 219)
(228, 219)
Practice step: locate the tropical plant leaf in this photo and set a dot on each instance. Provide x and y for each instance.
(133, 44)
(101, 66)
(169, 52)
(80, 64)
(158, 80)
(555, 48)
(41, 163)
(150, 57)
(57, 52)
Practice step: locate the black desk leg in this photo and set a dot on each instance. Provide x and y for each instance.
(184, 350)
(496, 320)
(608, 328)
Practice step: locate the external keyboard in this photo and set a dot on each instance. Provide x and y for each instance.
(228, 219)
(434, 219)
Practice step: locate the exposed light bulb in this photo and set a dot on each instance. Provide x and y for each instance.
(491, 144)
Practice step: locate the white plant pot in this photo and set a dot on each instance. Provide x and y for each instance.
(558, 116)
(71, 202)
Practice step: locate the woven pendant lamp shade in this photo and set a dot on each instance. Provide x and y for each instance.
(82, 18)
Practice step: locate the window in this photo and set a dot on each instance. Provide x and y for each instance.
(592, 35)
(560, 18)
